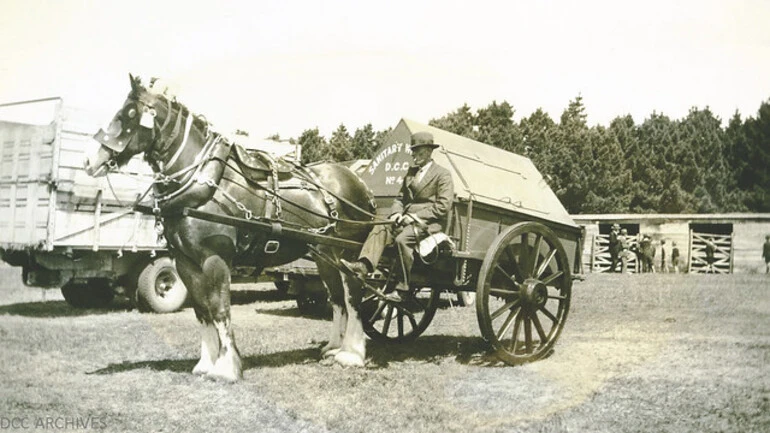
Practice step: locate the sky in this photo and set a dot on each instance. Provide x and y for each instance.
(281, 67)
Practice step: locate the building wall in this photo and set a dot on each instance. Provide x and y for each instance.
(749, 233)
(747, 246)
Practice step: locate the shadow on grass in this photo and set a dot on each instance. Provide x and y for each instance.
(433, 349)
(242, 297)
(59, 309)
(323, 311)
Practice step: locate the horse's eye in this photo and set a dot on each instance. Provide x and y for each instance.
(131, 113)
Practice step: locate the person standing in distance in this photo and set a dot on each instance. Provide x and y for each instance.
(614, 247)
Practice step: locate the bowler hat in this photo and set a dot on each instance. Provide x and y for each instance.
(420, 139)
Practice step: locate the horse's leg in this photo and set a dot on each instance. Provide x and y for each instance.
(228, 364)
(209, 285)
(331, 280)
(353, 350)
(192, 277)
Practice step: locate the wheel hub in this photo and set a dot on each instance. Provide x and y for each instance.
(164, 284)
(534, 293)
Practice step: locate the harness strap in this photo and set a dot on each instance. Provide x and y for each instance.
(331, 203)
(187, 127)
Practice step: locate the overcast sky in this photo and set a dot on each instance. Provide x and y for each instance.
(286, 66)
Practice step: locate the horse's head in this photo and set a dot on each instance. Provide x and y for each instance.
(133, 129)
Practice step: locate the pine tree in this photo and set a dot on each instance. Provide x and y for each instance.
(314, 146)
(497, 128)
(340, 145)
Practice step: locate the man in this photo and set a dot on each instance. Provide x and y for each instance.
(663, 264)
(646, 254)
(420, 209)
(614, 247)
(624, 250)
(675, 257)
(766, 254)
(711, 249)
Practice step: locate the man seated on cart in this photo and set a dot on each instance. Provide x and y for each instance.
(419, 210)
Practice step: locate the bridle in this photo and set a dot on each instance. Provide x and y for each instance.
(137, 115)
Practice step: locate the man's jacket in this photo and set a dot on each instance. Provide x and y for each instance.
(429, 199)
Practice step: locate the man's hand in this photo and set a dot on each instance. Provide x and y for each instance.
(407, 220)
(396, 218)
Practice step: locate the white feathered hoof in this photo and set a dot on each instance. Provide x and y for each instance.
(202, 368)
(226, 369)
(349, 359)
(327, 352)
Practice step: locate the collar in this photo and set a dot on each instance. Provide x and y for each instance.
(425, 166)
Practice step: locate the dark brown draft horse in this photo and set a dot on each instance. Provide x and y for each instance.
(198, 168)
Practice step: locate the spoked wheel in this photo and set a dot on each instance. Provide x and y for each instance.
(403, 321)
(524, 290)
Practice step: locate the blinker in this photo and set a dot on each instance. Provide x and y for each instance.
(111, 138)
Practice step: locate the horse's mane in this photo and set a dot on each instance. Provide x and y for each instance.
(161, 90)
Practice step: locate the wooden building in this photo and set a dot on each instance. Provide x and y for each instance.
(737, 237)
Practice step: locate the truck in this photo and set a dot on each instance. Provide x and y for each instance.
(68, 230)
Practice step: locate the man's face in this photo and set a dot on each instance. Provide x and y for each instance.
(421, 155)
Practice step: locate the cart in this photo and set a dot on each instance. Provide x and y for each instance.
(510, 241)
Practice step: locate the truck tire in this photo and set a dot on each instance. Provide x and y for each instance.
(159, 288)
(94, 293)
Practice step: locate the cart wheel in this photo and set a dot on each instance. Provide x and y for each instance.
(159, 288)
(524, 290)
(94, 293)
(404, 321)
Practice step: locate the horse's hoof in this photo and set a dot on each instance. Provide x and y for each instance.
(202, 368)
(226, 378)
(349, 359)
(226, 370)
(327, 361)
(328, 353)
(200, 371)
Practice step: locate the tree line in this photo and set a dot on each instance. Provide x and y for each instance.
(662, 165)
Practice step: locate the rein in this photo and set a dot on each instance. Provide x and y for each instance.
(187, 176)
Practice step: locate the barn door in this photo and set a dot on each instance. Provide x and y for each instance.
(717, 261)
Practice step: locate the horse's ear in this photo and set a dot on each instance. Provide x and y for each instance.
(135, 83)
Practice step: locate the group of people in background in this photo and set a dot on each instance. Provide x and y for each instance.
(620, 248)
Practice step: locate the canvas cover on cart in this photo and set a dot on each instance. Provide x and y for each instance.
(489, 174)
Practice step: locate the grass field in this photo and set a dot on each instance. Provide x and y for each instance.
(639, 353)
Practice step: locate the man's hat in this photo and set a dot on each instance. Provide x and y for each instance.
(420, 139)
(616, 226)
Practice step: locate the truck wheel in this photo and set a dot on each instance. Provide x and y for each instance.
(94, 293)
(159, 288)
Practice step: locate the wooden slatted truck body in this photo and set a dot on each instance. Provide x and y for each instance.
(69, 230)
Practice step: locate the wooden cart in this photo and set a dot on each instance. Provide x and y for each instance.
(513, 244)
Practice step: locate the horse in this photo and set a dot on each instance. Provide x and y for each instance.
(198, 168)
